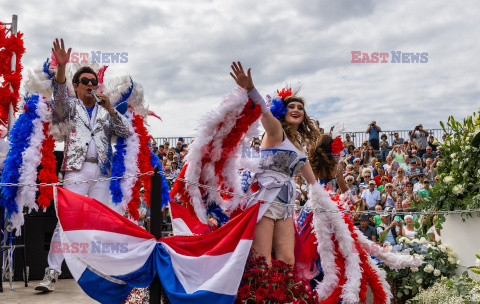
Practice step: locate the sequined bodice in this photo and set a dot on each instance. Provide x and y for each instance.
(284, 158)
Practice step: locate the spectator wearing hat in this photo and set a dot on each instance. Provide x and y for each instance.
(366, 229)
(371, 196)
(387, 231)
(373, 132)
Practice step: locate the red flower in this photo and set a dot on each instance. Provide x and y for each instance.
(285, 93)
(337, 146)
(261, 293)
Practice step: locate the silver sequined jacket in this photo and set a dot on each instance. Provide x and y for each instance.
(72, 112)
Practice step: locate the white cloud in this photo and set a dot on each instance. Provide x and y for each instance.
(181, 51)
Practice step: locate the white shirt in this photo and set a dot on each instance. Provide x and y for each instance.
(371, 198)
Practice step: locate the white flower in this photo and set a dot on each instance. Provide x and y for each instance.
(423, 240)
(452, 260)
(436, 272)
(448, 179)
(415, 269)
(442, 248)
(453, 155)
(459, 262)
(477, 263)
(419, 281)
(478, 172)
(428, 269)
(458, 189)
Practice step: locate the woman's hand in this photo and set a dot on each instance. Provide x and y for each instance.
(242, 79)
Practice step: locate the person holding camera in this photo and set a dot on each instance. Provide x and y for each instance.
(420, 136)
(373, 132)
(388, 230)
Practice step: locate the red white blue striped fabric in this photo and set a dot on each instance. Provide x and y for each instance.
(109, 255)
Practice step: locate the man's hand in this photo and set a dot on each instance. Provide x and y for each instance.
(61, 56)
(242, 79)
(106, 103)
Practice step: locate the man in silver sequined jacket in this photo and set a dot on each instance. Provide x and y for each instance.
(89, 127)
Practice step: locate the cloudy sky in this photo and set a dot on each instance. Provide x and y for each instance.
(181, 52)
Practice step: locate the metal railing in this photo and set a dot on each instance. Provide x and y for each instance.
(172, 140)
(358, 137)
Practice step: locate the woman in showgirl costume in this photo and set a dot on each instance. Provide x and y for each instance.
(287, 129)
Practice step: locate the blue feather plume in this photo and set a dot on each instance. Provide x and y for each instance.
(19, 141)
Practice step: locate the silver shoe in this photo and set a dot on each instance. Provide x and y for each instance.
(49, 280)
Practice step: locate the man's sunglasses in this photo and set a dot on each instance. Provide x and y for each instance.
(85, 81)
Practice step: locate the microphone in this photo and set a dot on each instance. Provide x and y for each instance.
(96, 98)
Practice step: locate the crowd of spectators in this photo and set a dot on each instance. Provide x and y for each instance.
(383, 177)
(387, 178)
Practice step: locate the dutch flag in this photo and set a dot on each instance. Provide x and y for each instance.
(108, 255)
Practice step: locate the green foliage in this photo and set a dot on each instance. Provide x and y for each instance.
(458, 168)
(439, 261)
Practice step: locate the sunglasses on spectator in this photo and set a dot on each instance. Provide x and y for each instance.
(85, 81)
(400, 171)
(389, 187)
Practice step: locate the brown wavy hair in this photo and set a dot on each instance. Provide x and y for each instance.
(306, 132)
(321, 158)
